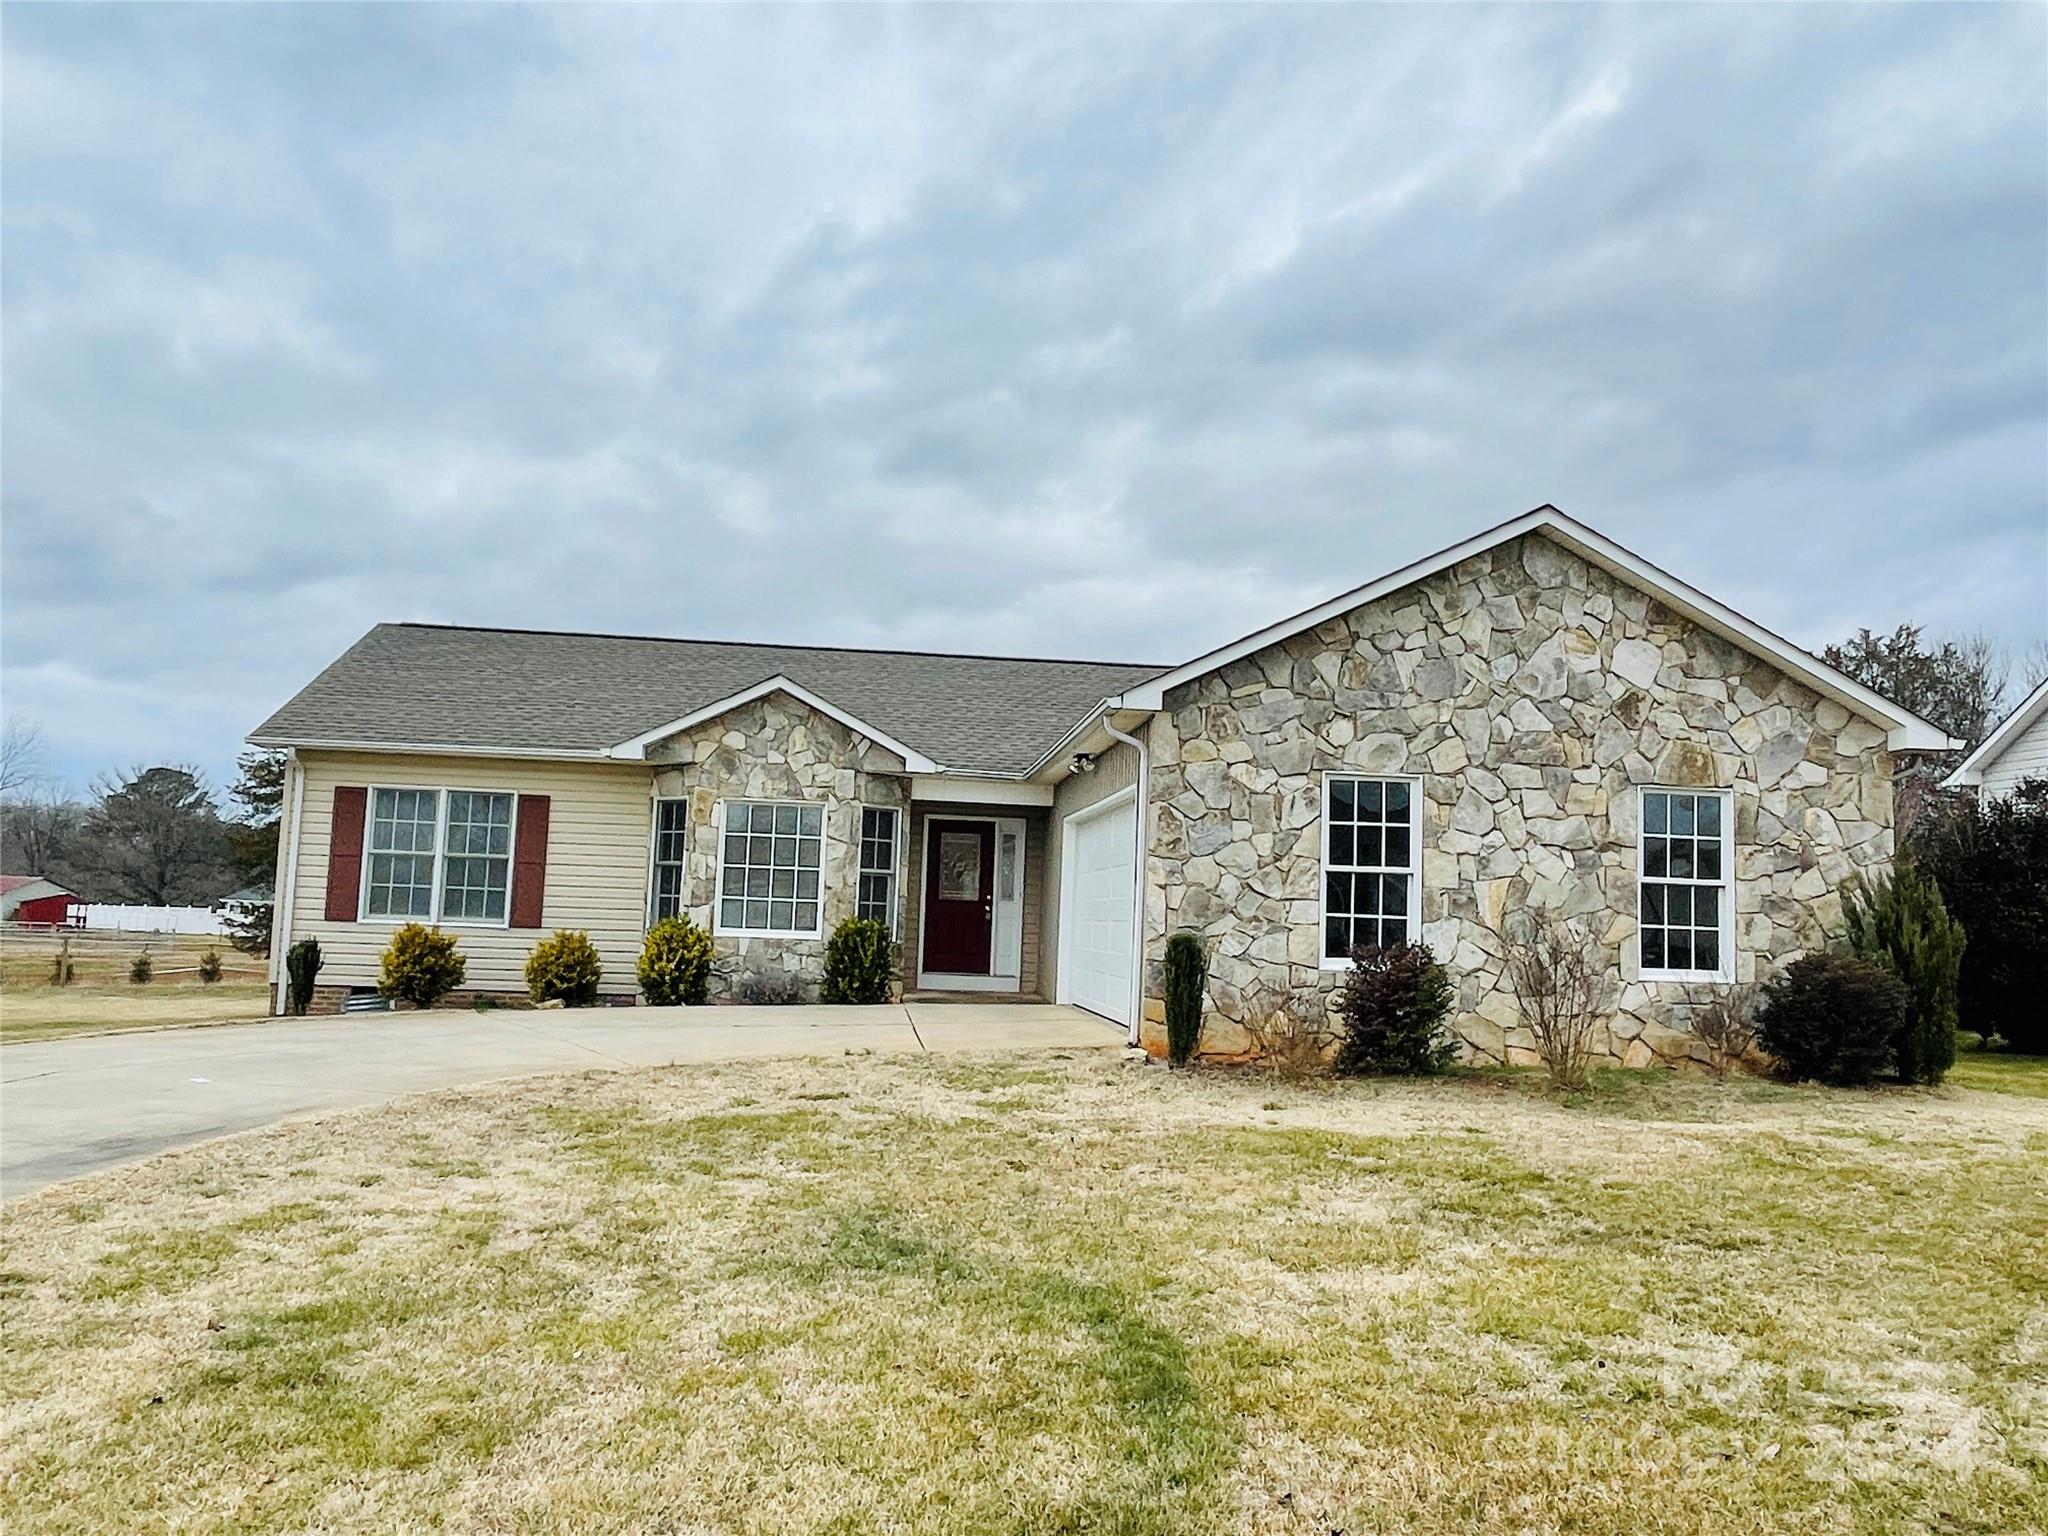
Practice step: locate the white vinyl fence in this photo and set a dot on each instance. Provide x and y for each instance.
(124, 919)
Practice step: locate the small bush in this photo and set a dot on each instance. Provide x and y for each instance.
(675, 964)
(1288, 1030)
(1556, 980)
(421, 966)
(1186, 977)
(1987, 855)
(1899, 922)
(564, 969)
(1394, 1005)
(209, 966)
(1724, 1021)
(141, 968)
(301, 970)
(1831, 1018)
(860, 963)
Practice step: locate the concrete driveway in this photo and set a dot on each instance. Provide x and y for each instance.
(69, 1107)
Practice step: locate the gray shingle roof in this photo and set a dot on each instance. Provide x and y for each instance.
(432, 685)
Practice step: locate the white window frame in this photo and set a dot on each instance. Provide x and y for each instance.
(718, 927)
(655, 860)
(1726, 884)
(1413, 870)
(861, 870)
(435, 919)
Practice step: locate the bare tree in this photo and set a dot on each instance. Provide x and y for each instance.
(1557, 982)
(1723, 1019)
(1289, 1030)
(21, 758)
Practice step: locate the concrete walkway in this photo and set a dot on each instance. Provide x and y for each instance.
(69, 1107)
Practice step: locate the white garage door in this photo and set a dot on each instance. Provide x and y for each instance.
(1097, 911)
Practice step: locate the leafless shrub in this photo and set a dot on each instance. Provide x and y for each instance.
(1557, 981)
(1289, 1030)
(1724, 1021)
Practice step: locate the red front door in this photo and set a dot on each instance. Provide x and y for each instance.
(959, 896)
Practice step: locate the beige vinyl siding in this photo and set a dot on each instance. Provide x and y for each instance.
(2024, 757)
(1114, 770)
(600, 823)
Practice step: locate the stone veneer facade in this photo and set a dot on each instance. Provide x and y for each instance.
(776, 749)
(1532, 693)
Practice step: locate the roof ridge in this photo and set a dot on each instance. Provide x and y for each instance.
(769, 645)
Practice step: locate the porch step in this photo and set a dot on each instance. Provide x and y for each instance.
(972, 997)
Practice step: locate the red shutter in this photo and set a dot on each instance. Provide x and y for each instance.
(345, 852)
(530, 861)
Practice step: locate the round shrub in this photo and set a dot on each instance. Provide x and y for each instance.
(675, 964)
(421, 966)
(1184, 976)
(860, 963)
(1394, 1006)
(1831, 1018)
(564, 969)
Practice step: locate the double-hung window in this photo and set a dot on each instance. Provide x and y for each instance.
(438, 856)
(770, 861)
(1685, 887)
(1371, 857)
(671, 840)
(876, 898)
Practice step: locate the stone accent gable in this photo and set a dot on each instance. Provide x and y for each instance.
(776, 748)
(1532, 693)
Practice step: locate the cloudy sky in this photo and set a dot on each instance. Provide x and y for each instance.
(1107, 333)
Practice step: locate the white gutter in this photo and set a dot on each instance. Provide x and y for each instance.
(1143, 820)
(288, 877)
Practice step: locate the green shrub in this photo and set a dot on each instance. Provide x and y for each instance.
(860, 963)
(1185, 976)
(1395, 1005)
(1832, 1018)
(1987, 857)
(564, 969)
(301, 970)
(1900, 923)
(675, 964)
(421, 966)
(141, 968)
(209, 966)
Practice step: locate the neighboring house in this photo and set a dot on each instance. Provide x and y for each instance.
(32, 899)
(2016, 750)
(1534, 718)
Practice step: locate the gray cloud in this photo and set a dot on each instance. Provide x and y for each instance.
(1091, 332)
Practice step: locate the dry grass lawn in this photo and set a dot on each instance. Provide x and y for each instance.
(1010, 1295)
(43, 1012)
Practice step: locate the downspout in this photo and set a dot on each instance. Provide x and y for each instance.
(288, 876)
(1143, 820)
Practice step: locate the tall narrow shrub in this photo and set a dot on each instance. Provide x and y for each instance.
(1186, 977)
(1899, 922)
(301, 970)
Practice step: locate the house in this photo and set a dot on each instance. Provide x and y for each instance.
(2016, 750)
(1532, 718)
(33, 899)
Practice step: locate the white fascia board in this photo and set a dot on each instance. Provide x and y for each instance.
(1970, 771)
(1904, 730)
(431, 749)
(978, 791)
(636, 748)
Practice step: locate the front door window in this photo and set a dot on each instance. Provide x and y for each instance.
(960, 866)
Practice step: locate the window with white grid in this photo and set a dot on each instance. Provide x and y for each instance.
(405, 829)
(770, 862)
(477, 861)
(671, 846)
(1371, 857)
(1685, 885)
(877, 895)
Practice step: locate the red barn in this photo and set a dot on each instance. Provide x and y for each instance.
(32, 899)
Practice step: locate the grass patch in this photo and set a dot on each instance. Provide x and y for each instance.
(876, 1300)
(34, 1012)
(2001, 1072)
